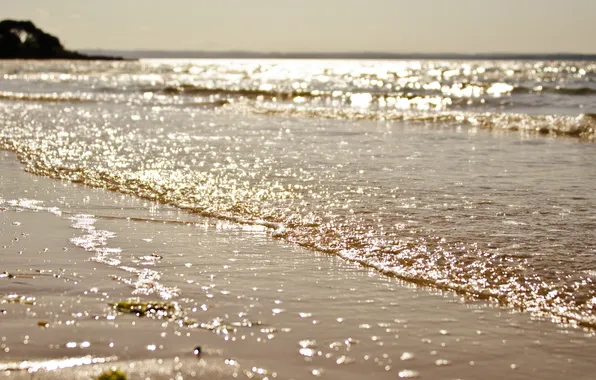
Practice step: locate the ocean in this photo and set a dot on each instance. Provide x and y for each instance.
(475, 178)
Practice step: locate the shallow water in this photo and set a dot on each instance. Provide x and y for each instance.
(438, 173)
(259, 307)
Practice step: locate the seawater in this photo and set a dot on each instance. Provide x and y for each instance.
(473, 176)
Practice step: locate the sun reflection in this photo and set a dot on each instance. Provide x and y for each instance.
(52, 365)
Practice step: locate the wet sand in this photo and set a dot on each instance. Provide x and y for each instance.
(257, 307)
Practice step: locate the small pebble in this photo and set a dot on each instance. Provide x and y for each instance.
(197, 351)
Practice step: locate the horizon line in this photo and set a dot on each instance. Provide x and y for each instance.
(232, 53)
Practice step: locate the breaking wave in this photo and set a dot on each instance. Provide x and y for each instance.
(582, 126)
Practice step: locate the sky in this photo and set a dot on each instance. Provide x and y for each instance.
(393, 26)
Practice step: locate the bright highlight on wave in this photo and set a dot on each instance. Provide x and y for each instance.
(33, 366)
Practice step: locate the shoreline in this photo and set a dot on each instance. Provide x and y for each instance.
(286, 310)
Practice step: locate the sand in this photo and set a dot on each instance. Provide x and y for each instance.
(257, 307)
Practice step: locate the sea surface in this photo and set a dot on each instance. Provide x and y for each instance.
(471, 176)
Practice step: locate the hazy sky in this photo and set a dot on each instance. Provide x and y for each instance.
(461, 26)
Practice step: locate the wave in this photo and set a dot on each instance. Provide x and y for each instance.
(454, 90)
(45, 97)
(290, 94)
(285, 94)
(424, 261)
(572, 91)
(192, 90)
(575, 91)
(411, 99)
(582, 126)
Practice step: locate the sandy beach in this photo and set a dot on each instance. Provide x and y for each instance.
(257, 307)
(304, 190)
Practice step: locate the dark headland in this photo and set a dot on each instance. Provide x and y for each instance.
(23, 40)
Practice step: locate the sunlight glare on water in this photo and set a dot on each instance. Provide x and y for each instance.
(384, 163)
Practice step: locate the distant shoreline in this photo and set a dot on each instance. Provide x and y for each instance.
(136, 54)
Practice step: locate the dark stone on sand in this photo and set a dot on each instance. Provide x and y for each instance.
(197, 351)
(23, 40)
